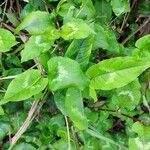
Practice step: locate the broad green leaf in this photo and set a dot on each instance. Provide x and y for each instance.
(24, 86)
(23, 146)
(127, 97)
(86, 10)
(120, 6)
(35, 46)
(116, 72)
(76, 29)
(74, 108)
(80, 50)
(36, 22)
(143, 43)
(64, 73)
(141, 130)
(7, 40)
(138, 144)
(1, 111)
(105, 39)
(103, 11)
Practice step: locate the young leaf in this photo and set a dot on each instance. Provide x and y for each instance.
(65, 72)
(35, 46)
(143, 43)
(80, 50)
(74, 108)
(120, 6)
(76, 29)
(24, 86)
(36, 22)
(7, 40)
(116, 72)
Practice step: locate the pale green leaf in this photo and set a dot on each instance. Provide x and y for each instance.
(138, 144)
(7, 40)
(143, 43)
(127, 97)
(23, 146)
(76, 29)
(120, 6)
(116, 72)
(65, 72)
(35, 46)
(80, 50)
(141, 130)
(74, 108)
(36, 22)
(24, 86)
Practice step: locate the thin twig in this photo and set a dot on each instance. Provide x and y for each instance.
(4, 12)
(131, 35)
(8, 78)
(68, 133)
(25, 125)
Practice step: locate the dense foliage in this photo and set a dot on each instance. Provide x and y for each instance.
(74, 74)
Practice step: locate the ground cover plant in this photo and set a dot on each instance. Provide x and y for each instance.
(74, 74)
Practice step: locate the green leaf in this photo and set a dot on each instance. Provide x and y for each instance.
(141, 130)
(36, 22)
(86, 10)
(4, 129)
(116, 72)
(59, 98)
(1, 111)
(35, 46)
(120, 6)
(105, 39)
(7, 40)
(127, 97)
(64, 73)
(138, 144)
(24, 146)
(76, 29)
(103, 11)
(143, 43)
(24, 86)
(80, 50)
(74, 108)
